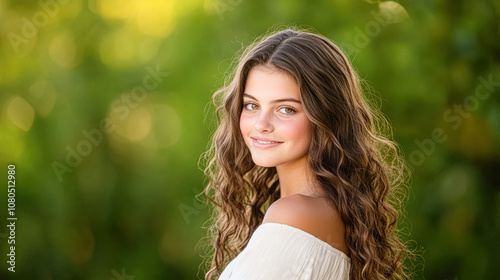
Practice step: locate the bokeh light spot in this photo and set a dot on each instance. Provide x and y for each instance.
(20, 112)
(393, 11)
(155, 18)
(43, 97)
(120, 49)
(115, 9)
(138, 125)
(62, 50)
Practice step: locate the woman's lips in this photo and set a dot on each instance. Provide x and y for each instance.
(258, 143)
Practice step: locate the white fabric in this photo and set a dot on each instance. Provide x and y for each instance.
(282, 252)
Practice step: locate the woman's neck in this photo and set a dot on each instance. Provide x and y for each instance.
(297, 178)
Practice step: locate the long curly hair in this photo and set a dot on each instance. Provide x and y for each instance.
(351, 155)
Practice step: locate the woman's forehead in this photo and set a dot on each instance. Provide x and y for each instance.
(270, 84)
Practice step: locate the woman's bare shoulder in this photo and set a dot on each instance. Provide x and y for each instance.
(311, 214)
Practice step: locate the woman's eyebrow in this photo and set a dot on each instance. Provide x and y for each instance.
(275, 101)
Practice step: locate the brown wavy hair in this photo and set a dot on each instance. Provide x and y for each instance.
(351, 155)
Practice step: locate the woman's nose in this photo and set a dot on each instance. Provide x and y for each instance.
(264, 123)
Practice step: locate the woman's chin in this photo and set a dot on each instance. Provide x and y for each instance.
(264, 163)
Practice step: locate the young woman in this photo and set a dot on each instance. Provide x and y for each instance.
(305, 185)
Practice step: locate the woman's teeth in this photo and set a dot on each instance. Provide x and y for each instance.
(266, 142)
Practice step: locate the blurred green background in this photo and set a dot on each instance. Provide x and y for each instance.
(104, 110)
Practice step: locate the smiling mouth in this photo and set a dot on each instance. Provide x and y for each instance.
(265, 142)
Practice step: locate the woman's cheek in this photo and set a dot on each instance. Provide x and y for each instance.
(245, 124)
(297, 129)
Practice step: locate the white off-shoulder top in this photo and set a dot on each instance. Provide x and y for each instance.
(283, 252)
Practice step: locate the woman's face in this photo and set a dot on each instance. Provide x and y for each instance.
(273, 122)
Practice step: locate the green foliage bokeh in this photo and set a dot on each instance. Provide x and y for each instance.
(105, 109)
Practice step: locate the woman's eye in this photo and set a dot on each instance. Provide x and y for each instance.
(287, 110)
(251, 106)
(284, 110)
